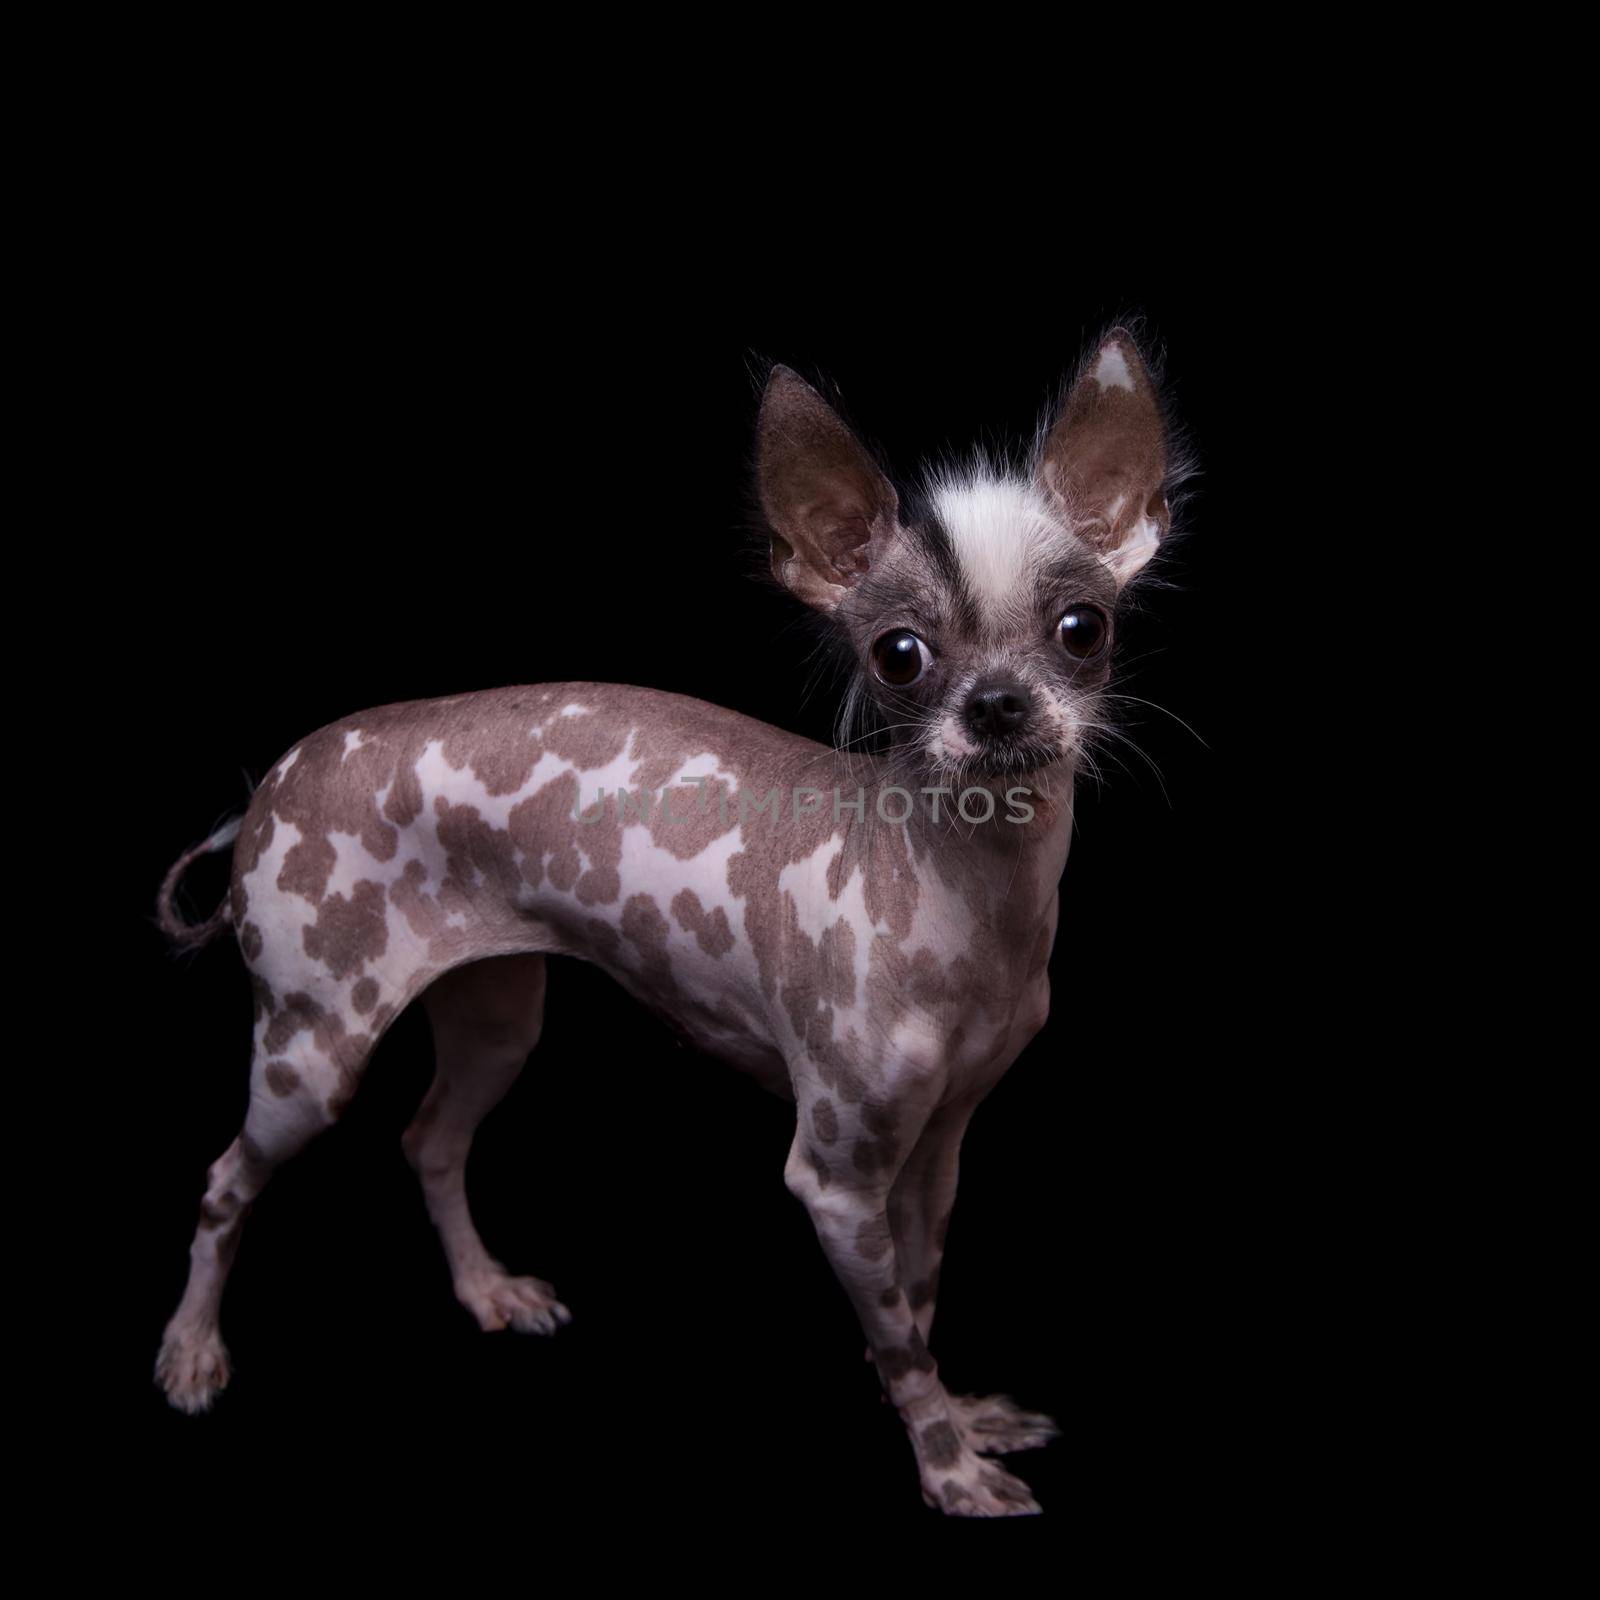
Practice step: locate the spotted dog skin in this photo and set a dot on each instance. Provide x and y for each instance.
(881, 974)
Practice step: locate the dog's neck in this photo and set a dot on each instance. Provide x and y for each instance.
(1018, 864)
(1006, 871)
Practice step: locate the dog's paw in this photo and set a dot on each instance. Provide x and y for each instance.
(192, 1368)
(995, 1425)
(499, 1301)
(960, 1483)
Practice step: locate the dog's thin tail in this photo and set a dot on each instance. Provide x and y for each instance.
(191, 935)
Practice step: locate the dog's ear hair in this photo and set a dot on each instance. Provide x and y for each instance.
(830, 507)
(1104, 456)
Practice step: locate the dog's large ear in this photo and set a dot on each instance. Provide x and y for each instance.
(1104, 457)
(832, 511)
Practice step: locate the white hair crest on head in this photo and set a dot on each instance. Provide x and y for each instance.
(1000, 528)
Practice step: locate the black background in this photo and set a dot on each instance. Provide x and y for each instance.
(368, 456)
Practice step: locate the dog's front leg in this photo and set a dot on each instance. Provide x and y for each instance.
(920, 1206)
(842, 1167)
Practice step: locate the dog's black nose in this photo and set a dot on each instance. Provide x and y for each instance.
(998, 708)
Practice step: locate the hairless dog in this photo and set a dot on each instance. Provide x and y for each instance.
(865, 928)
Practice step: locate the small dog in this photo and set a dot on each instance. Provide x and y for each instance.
(868, 934)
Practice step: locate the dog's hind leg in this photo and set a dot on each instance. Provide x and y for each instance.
(486, 1020)
(304, 1070)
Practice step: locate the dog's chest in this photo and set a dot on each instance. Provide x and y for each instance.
(986, 995)
(876, 968)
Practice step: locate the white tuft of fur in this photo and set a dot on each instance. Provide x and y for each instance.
(225, 835)
(950, 741)
(1111, 370)
(1130, 556)
(1001, 528)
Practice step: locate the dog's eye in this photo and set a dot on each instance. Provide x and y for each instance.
(900, 658)
(1084, 631)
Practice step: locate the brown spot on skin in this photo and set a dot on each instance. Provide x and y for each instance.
(420, 910)
(873, 1239)
(819, 1165)
(893, 1363)
(876, 1155)
(812, 972)
(925, 979)
(661, 750)
(307, 868)
(546, 829)
(919, 1355)
(333, 783)
(711, 933)
(836, 952)
(879, 1116)
(941, 1444)
(588, 741)
(849, 1083)
(476, 851)
(346, 1052)
(954, 1492)
(348, 933)
(817, 975)
(250, 941)
(890, 1297)
(501, 754)
(643, 923)
(299, 1013)
(687, 818)
(889, 884)
(364, 996)
(539, 827)
(404, 804)
(255, 835)
(838, 874)
(825, 1120)
(261, 996)
(330, 788)
(281, 1078)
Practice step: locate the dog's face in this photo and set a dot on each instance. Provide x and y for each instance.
(979, 607)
